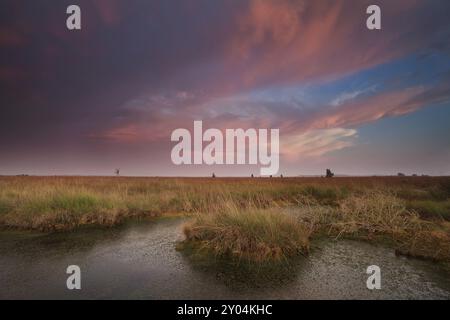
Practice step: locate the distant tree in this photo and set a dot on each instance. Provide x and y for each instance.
(253, 175)
(329, 174)
(117, 172)
(213, 175)
(414, 175)
(281, 176)
(271, 176)
(400, 174)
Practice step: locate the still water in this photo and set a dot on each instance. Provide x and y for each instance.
(139, 260)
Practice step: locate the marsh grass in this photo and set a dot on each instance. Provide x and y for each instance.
(250, 234)
(378, 215)
(246, 218)
(429, 209)
(375, 212)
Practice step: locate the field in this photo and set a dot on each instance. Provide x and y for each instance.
(256, 219)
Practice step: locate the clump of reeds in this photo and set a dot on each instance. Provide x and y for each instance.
(256, 235)
(379, 214)
(374, 212)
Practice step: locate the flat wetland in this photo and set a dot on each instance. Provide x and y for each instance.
(224, 238)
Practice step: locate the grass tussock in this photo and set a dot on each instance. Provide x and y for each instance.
(253, 235)
(381, 216)
(374, 213)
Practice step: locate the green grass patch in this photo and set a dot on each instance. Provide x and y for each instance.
(431, 209)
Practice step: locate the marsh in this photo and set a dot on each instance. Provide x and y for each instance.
(139, 260)
(224, 238)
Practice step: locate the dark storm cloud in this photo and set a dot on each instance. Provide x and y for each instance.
(52, 78)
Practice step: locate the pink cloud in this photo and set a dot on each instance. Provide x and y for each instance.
(123, 134)
(152, 121)
(290, 41)
(283, 41)
(316, 143)
(386, 104)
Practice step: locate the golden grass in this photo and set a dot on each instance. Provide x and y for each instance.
(244, 217)
(252, 234)
(379, 216)
(375, 212)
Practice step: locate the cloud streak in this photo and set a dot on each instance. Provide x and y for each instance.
(316, 143)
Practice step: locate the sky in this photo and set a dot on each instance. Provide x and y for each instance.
(358, 101)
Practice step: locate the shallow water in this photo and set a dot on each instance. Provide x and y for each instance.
(139, 261)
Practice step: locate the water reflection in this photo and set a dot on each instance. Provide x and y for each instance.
(139, 260)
